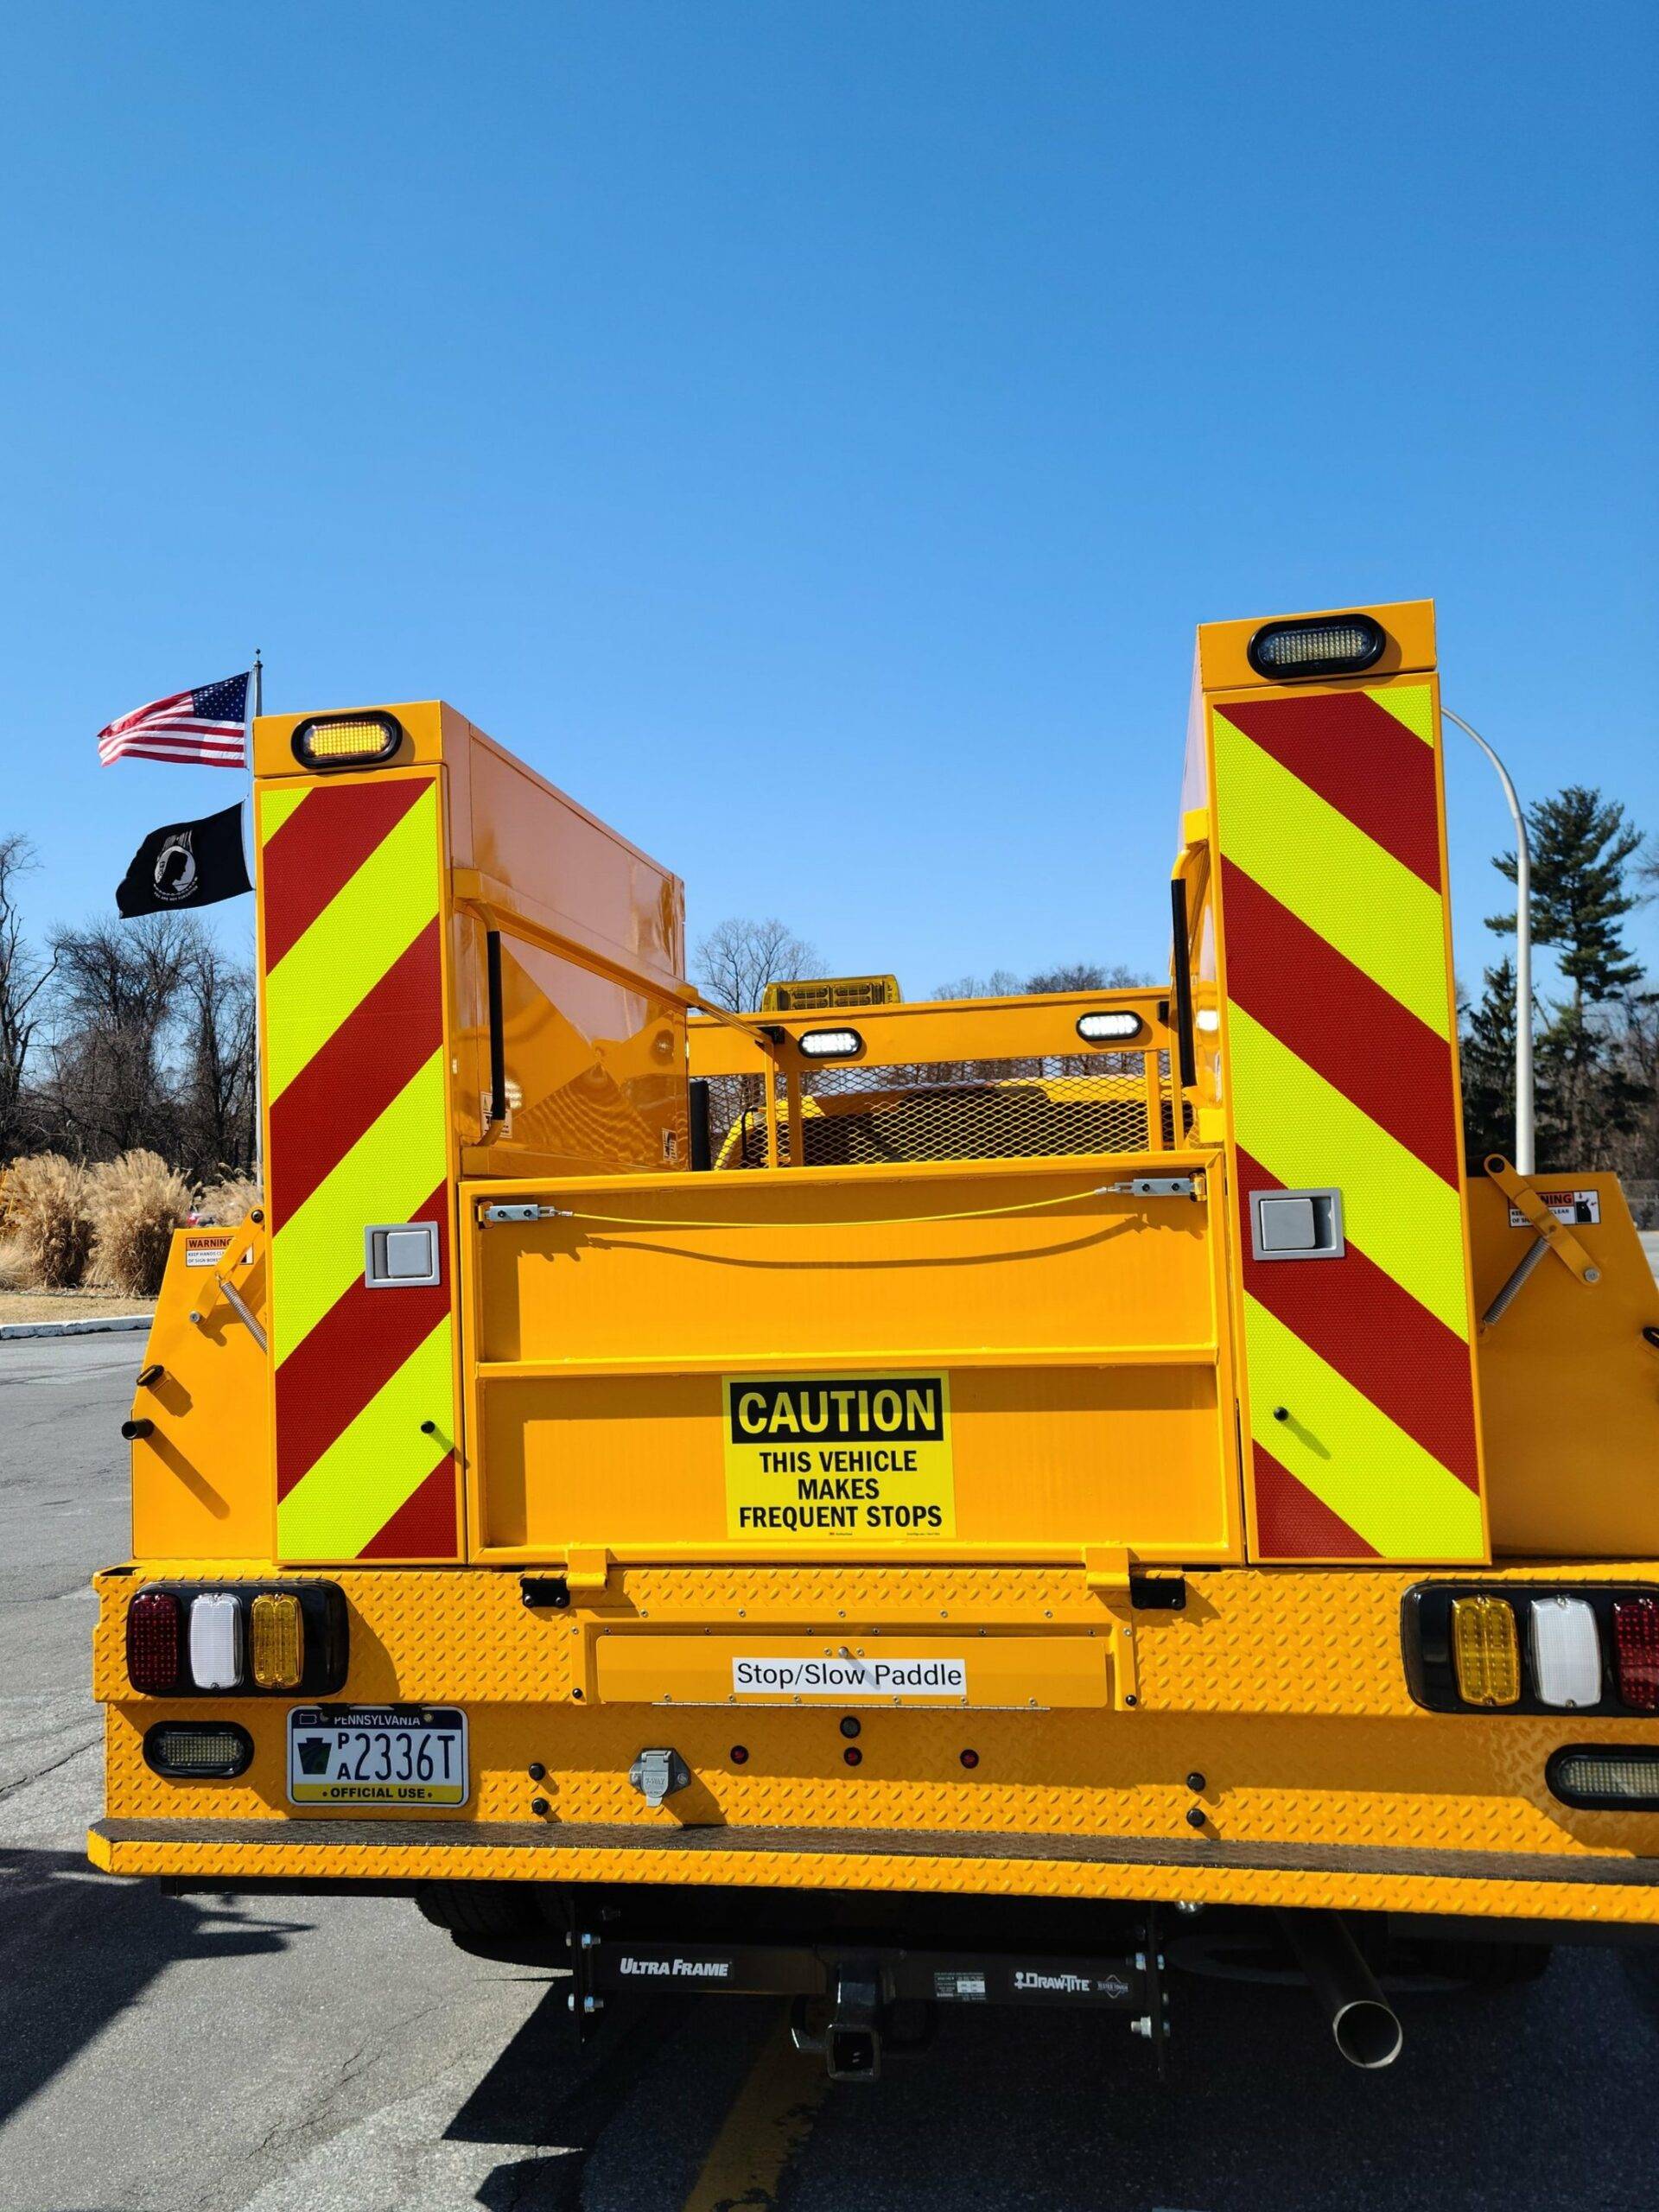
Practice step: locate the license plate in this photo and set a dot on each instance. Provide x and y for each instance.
(399, 1756)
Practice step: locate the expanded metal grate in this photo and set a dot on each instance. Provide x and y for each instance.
(978, 1109)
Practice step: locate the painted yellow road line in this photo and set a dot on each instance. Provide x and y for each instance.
(770, 2118)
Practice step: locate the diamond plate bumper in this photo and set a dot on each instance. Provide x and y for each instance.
(1273, 1705)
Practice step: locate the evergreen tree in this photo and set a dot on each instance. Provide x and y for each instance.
(1582, 846)
(1488, 1048)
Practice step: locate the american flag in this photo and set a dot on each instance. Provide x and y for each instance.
(208, 726)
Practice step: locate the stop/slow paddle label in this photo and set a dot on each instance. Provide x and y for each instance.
(834, 1457)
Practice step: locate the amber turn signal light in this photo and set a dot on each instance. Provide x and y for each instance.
(1485, 1651)
(277, 1640)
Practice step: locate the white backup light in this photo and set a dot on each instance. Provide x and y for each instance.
(1566, 1653)
(1108, 1028)
(830, 1043)
(216, 1642)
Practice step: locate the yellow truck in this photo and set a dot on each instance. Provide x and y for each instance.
(897, 1505)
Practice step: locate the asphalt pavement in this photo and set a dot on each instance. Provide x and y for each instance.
(325, 2055)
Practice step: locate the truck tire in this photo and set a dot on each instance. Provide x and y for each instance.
(484, 1909)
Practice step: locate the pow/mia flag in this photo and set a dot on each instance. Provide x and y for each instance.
(186, 864)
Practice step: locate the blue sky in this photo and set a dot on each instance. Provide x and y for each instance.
(809, 432)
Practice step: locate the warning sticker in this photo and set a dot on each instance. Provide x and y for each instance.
(204, 1251)
(1577, 1208)
(829, 1456)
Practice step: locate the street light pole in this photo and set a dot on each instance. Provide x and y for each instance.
(1525, 1154)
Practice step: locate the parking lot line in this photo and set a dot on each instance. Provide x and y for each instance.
(769, 2119)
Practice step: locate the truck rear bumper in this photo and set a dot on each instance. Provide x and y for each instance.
(1611, 1888)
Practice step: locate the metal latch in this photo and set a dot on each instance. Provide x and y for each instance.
(1296, 1225)
(497, 1216)
(1158, 1187)
(658, 1774)
(400, 1254)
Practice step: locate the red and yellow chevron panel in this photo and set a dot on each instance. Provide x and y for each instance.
(1342, 1073)
(357, 1136)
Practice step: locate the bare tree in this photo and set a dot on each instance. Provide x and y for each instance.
(23, 977)
(1001, 983)
(738, 958)
(115, 991)
(217, 1084)
(1086, 976)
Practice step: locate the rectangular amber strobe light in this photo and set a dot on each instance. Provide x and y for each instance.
(1485, 1651)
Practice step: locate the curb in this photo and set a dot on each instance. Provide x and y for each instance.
(10, 1329)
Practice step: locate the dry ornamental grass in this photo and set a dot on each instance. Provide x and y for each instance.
(50, 1218)
(227, 1204)
(138, 1202)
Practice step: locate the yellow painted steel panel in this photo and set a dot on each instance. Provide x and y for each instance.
(1031, 1672)
(1188, 1878)
(1087, 1403)
(921, 1032)
(1569, 1385)
(634, 1464)
(201, 1478)
(1409, 624)
(1286, 1688)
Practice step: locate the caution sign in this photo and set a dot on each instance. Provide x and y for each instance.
(1577, 1208)
(205, 1248)
(827, 1456)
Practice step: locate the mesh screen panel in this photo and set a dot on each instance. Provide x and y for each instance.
(969, 1109)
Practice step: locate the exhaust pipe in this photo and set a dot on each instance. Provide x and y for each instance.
(1366, 2027)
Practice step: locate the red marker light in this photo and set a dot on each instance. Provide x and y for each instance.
(155, 1641)
(1635, 1651)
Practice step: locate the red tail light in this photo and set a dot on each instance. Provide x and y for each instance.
(155, 1641)
(1635, 1651)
